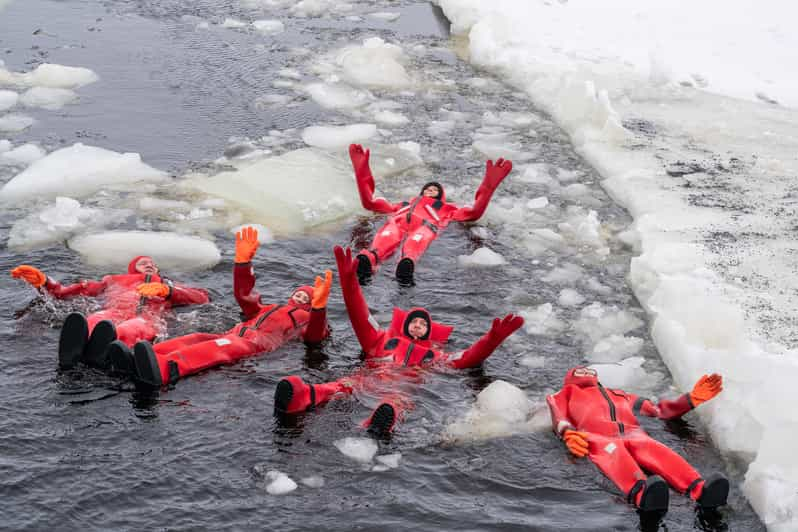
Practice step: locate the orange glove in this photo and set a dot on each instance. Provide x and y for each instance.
(30, 275)
(706, 388)
(246, 244)
(321, 290)
(576, 442)
(153, 290)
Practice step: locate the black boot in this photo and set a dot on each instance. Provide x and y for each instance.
(73, 340)
(121, 358)
(364, 269)
(101, 337)
(283, 394)
(715, 492)
(382, 421)
(147, 369)
(404, 271)
(655, 495)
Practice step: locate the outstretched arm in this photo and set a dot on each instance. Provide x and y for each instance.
(243, 274)
(356, 306)
(484, 347)
(705, 389)
(365, 182)
(317, 329)
(37, 279)
(494, 174)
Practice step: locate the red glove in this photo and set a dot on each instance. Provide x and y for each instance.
(347, 270)
(706, 388)
(33, 276)
(502, 328)
(360, 163)
(495, 173)
(246, 244)
(576, 442)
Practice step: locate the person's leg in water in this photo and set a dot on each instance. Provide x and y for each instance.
(293, 395)
(383, 419)
(413, 248)
(120, 355)
(383, 246)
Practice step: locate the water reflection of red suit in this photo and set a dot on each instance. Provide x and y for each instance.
(395, 357)
(266, 327)
(602, 424)
(416, 223)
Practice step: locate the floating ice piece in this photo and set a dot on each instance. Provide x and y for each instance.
(55, 223)
(570, 298)
(440, 128)
(597, 321)
(233, 23)
(385, 15)
(49, 75)
(337, 95)
(375, 64)
(565, 274)
(481, 257)
(8, 99)
(337, 137)
(15, 122)
(542, 320)
(272, 100)
(537, 203)
(47, 97)
(157, 204)
(269, 27)
(615, 348)
(391, 118)
(317, 8)
(533, 361)
(22, 155)
(172, 251)
(279, 483)
(358, 449)
(628, 375)
(76, 171)
(5, 145)
(313, 482)
(390, 460)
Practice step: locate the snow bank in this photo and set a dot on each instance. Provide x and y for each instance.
(630, 82)
(114, 249)
(78, 171)
(337, 137)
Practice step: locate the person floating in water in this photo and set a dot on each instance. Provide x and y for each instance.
(133, 309)
(602, 424)
(415, 223)
(395, 357)
(267, 327)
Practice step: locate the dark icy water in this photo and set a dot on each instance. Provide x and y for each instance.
(82, 451)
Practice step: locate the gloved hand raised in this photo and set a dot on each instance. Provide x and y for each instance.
(576, 442)
(33, 276)
(321, 290)
(153, 290)
(360, 160)
(246, 244)
(502, 328)
(495, 173)
(707, 387)
(346, 266)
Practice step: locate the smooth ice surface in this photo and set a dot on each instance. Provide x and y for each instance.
(337, 137)
(8, 99)
(359, 449)
(49, 75)
(14, 122)
(481, 257)
(78, 170)
(172, 251)
(47, 97)
(279, 483)
(21, 155)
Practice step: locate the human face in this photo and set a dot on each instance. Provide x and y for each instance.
(300, 297)
(417, 328)
(146, 266)
(431, 192)
(585, 372)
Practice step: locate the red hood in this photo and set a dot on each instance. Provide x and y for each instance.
(131, 267)
(308, 290)
(582, 382)
(438, 333)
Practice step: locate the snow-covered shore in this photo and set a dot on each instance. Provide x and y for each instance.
(695, 133)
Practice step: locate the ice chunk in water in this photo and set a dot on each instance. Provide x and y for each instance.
(566, 274)
(22, 155)
(390, 460)
(77, 171)
(481, 257)
(233, 23)
(14, 122)
(597, 321)
(615, 348)
(55, 223)
(628, 375)
(570, 298)
(279, 483)
(317, 8)
(358, 449)
(385, 15)
(50, 75)
(313, 482)
(542, 320)
(537, 203)
(269, 27)
(375, 64)
(47, 97)
(8, 99)
(337, 95)
(337, 137)
(172, 251)
(391, 118)
(5, 145)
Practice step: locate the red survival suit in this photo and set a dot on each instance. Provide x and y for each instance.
(419, 220)
(617, 444)
(134, 316)
(392, 355)
(266, 328)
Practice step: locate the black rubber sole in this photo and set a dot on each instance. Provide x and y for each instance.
(73, 340)
(101, 337)
(364, 270)
(404, 271)
(147, 369)
(120, 357)
(655, 495)
(715, 492)
(382, 421)
(283, 394)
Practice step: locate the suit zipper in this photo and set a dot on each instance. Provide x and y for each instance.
(612, 408)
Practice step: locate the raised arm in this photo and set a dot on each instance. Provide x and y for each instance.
(705, 389)
(317, 329)
(243, 274)
(356, 306)
(484, 347)
(365, 182)
(494, 174)
(37, 279)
